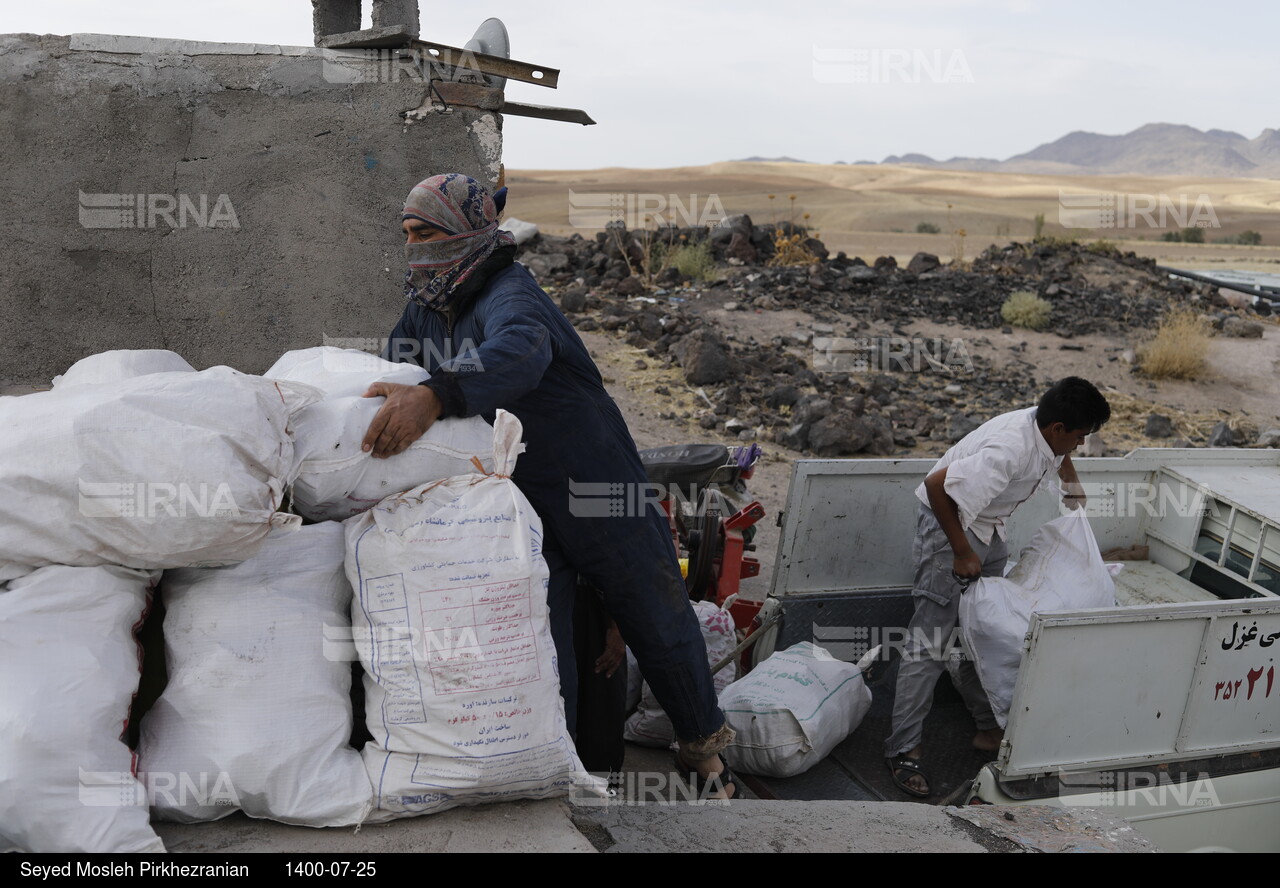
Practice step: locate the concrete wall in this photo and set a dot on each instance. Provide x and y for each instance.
(313, 167)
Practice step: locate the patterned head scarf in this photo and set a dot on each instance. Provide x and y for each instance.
(462, 208)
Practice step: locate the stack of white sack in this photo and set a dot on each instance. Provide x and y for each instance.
(649, 725)
(70, 665)
(794, 708)
(1062, 569)
(121, 364)
(336, 478)
(451, 624)
(161, 470)
(257, 712)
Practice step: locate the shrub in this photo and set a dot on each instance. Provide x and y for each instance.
(1179, 348)
(1039, 225)
(1026, 309)
(695, 260)
(790, 250)
(928, 228)
(1193, 235)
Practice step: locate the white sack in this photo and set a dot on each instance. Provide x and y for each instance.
(452, 627)
(121, 364)
(649, 724)
(69, 667)
(163, 470)
(1061, 569)
(342, 372)
(520, 230)
(336, 478)
(257, 711)
(793, 709)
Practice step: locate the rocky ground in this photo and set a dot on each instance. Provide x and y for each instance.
(842, 357)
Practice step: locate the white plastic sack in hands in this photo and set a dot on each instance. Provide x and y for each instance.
(70, 667)
(793, 709)
(257, 712)
(649, 724)
(1061, 569)
(121, 364)
(451, 624)
(158, 471)
(337, 479)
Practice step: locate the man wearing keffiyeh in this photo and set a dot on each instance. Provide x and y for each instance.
(491, 338)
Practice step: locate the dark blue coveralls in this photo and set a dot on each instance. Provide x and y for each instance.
(504, 344)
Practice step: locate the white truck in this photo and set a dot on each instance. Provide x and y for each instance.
(1165, 708)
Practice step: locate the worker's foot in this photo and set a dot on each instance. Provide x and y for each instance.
(712, 778)
(908, 775)
(988, 740)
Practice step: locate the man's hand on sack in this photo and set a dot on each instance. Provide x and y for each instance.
(404, 418)
(1073, 495)
(967, 568)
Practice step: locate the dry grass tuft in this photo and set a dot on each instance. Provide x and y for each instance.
(790, 251)
(1179, 349)
(1026, 309)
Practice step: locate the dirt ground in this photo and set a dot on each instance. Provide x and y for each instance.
(633, 390)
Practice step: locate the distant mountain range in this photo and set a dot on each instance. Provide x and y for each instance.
(1157, 149)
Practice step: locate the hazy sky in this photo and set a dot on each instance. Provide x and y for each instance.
(674, 83)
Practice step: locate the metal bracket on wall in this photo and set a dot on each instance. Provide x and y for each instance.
(428, 55)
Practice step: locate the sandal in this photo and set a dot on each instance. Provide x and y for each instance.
(904, 763)
(706, 786)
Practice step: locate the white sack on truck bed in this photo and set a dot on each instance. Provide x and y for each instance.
(649, 725)
(257, 712)
(121, 364)
(69, 667)
(1061, 569)
(793, 709)
(336, 478)
(451, 624)
(162, 470)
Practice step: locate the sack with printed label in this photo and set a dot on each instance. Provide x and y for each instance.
(452, 628)
(336, 478)
(793, 709)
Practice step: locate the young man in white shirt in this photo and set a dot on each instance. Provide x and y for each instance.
(960, 535)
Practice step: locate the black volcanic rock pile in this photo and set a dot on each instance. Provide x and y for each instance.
(876, 402)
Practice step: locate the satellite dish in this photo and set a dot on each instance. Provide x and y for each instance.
(491, 39)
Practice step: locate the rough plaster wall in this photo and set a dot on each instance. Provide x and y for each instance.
(315, 172)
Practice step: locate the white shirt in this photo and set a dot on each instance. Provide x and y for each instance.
(996, 468)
